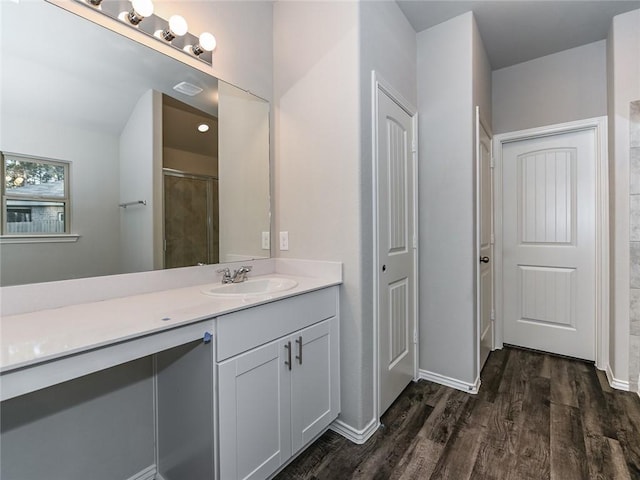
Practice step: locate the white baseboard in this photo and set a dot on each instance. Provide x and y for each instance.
(353, 435)
(615, 382)
(451, 382)
(148, 473)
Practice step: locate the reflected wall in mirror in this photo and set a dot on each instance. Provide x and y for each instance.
(94, 98)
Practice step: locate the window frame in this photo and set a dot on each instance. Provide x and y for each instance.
(6, 196)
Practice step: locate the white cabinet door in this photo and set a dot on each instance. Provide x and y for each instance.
(254, 415)
(315, 389)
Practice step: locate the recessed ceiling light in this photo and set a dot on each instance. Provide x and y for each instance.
(203, 127)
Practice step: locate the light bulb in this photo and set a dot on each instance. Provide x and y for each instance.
(143, 7)
(140, 9)
(207, 42)
(177, 27)
(203, 127)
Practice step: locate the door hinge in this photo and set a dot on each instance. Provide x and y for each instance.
(493, 162)
(493, 239)
(415, 336)
(493, 315)
(413, 146)
(415, 241)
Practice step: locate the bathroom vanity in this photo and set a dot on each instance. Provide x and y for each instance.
(174, 384)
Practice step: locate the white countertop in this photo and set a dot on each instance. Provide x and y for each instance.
(35, 337)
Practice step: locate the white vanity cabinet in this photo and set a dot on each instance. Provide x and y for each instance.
(278, 381)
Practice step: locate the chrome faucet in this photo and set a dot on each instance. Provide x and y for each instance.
(238, 276)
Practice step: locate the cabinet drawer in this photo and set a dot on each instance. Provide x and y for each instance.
(240, 331)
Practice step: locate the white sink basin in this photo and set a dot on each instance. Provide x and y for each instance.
(256, 286)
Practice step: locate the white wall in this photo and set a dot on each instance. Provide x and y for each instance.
(564, 86)
(243, 171)
(317, 161)
(447, 240)
(138, 159)
(623, 87)
(322, 91)
(482, 79)
(94, 212)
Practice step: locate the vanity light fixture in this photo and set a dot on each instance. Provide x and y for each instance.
(173, 32)
(203, 127)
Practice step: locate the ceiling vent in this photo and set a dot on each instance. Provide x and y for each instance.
(187, 88)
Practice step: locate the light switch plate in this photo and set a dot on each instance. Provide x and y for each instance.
(284, 240)
(266, 241)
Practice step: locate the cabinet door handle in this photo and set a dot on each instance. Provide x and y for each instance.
(288, 349)
(299, 356)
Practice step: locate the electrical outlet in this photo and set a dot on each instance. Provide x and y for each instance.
(266, 241)
(284, 240)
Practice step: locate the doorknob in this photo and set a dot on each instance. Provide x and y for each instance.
(384, 268)
(484, 259)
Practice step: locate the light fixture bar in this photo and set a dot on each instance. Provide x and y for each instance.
(151, 25)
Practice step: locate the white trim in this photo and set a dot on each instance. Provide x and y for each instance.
(599, 125)
(356, 436)
(467, 387)
(378, 83)
(148, 473)
(62, 238)
(615, 382)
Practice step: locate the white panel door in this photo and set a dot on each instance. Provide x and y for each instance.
(485, 243)
(396, 253)
(315, 400)
(549, 222)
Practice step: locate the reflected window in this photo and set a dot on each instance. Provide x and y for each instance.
(35, 195)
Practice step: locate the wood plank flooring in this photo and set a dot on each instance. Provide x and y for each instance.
(536, 417)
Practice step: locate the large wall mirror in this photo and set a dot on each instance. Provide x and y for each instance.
(147, 189)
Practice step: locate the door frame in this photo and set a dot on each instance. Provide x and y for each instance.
(599, 126)
(379, 84)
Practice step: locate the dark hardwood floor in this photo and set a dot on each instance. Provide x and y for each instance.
(536, 417)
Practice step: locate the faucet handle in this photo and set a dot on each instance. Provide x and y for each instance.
(246, 268)
(226, 275)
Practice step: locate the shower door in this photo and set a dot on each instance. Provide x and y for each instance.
(190, 219)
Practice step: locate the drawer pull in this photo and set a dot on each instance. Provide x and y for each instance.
(299, 356)
(288, 349)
